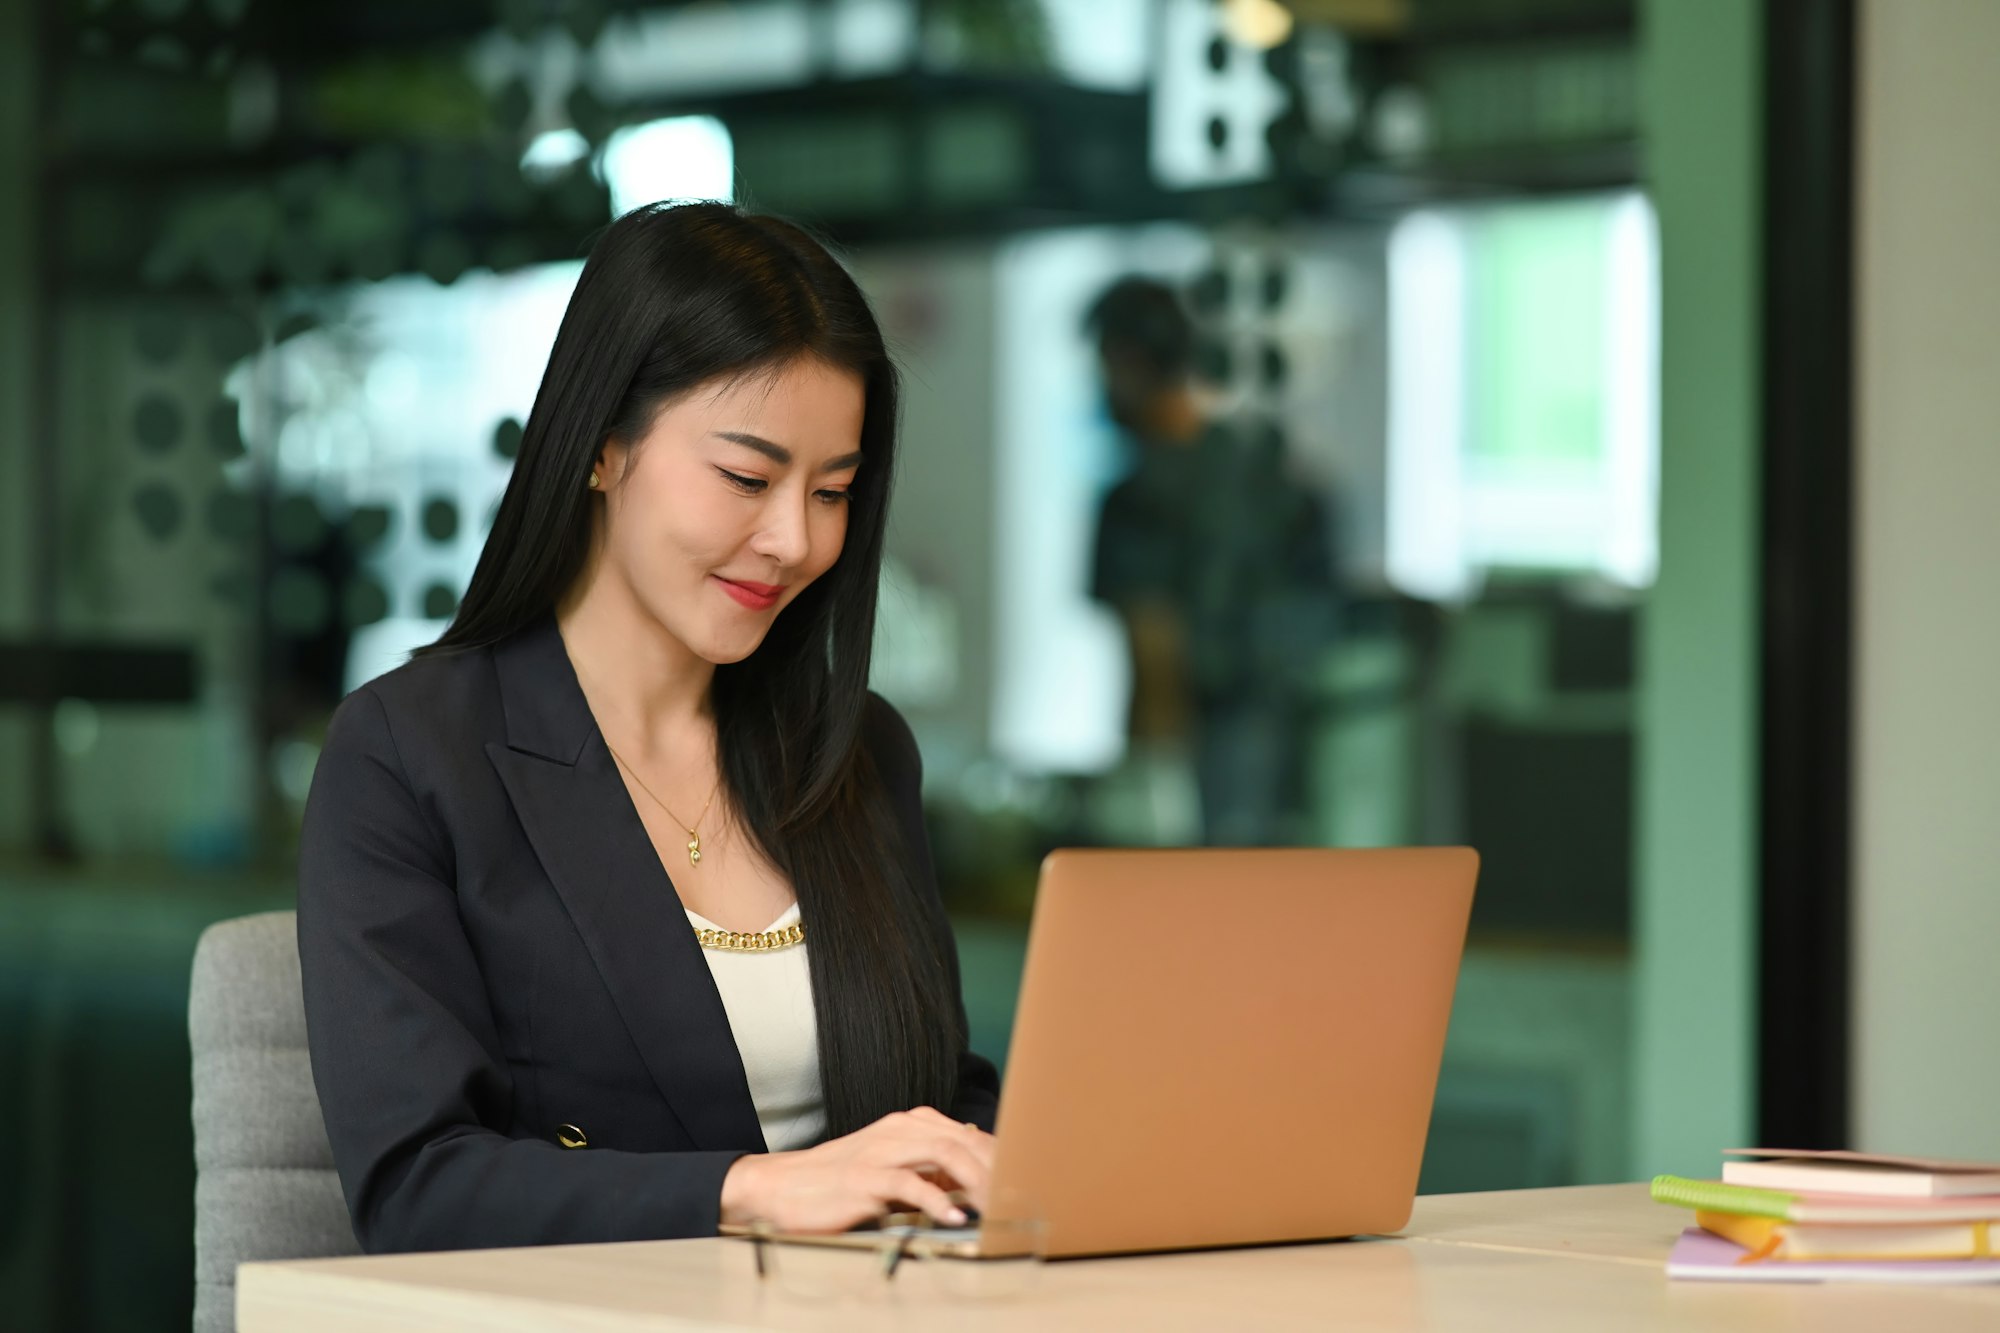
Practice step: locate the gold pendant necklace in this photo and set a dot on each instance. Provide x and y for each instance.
(694, 829)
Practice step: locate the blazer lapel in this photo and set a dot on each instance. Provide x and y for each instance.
(590, 841)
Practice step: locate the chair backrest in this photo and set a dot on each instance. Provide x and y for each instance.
(264, 1181)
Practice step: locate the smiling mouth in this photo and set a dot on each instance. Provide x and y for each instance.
(756, 596)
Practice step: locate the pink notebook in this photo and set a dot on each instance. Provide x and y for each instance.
(1703, 1257)
(1878, 1174)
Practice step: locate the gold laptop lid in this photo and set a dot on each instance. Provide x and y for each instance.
(1228, 1047)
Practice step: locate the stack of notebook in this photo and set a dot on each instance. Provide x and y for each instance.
(1779, 1215)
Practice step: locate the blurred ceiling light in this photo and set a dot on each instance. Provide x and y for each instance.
(553, 152)
(1262, 24)
(685, 157)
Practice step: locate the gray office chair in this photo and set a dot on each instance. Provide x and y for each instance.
(264, 1181)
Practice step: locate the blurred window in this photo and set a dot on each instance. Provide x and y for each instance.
(396, 402)
(1523, 393)
(684, 157)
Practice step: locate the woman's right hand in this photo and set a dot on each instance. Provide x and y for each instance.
(908, 1160)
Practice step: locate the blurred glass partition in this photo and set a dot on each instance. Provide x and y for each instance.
(1495, 708)
(1281, 465)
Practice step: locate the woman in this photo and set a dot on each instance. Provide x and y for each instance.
(542, 1005)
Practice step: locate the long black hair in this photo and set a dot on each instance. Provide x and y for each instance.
(671, 298)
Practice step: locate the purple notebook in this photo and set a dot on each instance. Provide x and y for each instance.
(1709, 1258)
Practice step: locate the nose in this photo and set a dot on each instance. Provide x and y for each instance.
(785, 535)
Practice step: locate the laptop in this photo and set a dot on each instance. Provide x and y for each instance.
(1219, 1047)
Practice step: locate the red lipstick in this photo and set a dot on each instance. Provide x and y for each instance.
(756, 596)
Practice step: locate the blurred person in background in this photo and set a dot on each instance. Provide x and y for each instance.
(560, 873)
(1219, 567)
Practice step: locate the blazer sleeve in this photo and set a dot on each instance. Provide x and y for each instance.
(405, 1053)
(901, 766)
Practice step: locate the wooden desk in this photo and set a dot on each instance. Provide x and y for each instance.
(1590, 1258)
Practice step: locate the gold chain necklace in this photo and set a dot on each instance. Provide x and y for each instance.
(739, 941)
(694, 829)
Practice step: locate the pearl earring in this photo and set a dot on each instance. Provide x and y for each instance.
(593, 479)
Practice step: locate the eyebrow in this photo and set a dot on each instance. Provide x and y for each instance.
(782, 456)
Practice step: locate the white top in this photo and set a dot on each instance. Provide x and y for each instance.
(768, 997)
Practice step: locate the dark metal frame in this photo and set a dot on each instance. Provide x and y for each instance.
(47, 817)
(1808, 537)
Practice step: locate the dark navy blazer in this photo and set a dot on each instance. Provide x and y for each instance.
(492, 949)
